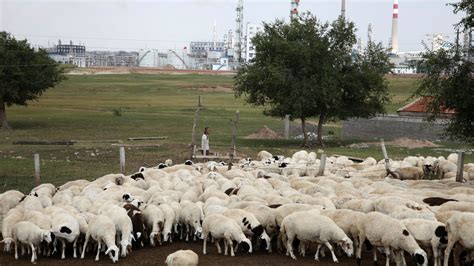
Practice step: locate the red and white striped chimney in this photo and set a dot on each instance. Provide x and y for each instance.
(394, 48)
(294, 8)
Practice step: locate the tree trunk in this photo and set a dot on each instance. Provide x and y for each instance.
(322, 116)
(305, 134)
(3, 116)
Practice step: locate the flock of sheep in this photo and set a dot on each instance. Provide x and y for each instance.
(273, 202)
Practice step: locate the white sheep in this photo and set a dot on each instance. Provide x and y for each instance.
(351, 222)
(102, 230)
(384, 231)
(66, 229)
(191, 217)
(182, 258)
(154, 219)
(249, 224)
(431, 234)
(459, 228)
(310, 226)
(29, 234)
(221, 227)
(123, 225)
(13, 216)
(170, 219)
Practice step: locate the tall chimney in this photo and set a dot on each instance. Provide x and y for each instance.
(294, 8)
(394, 47)
(343, 8)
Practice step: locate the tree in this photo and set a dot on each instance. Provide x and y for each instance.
(307, 69)
(24, 74)
(466, 6)
(449, 83)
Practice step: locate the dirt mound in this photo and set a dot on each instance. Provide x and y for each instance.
(264, 133)
(413, 143)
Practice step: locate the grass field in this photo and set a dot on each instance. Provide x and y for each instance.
(100, 110)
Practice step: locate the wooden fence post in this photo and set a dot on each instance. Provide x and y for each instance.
(37, 168)
(322, 165)
(122, 159)
(460, 170)
(385, 155)
(287, 127)
(193, 137)
(232, 152)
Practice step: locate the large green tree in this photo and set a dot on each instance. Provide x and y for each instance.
(449, 82)
(306, 69)
(24, 74)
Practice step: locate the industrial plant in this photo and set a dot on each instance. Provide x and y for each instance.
(236, 47)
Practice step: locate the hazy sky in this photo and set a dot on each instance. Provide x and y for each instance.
(165, 24)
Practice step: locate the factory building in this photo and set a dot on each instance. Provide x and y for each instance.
(68, 54)
(107, 58)
(249, 49)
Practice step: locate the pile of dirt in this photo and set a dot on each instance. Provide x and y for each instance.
(413, 143)
(264, 133)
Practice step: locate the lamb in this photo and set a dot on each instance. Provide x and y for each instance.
(66, 229)
(383, 231)
(287, 209)
(221, 227)
(431, 234)
(154, 219)
(264, 155)
(310, 226)
(191, 216)
(102, 230)
(8, 200)
(29, 234)
(459, 228)
(170, 217)
(137, 219)
(351, 222)
(12, 217)
(182, 258)
(123, 225)
(407, 173)
(249, 224)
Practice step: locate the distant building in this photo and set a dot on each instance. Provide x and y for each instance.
(420, 108)
(108, 58)
(68, 54)
(405, 62)
(202, 49)
(249, 49)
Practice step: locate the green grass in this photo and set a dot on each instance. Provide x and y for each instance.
(85, 108)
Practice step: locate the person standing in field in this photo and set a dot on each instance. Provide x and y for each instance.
(205, 141)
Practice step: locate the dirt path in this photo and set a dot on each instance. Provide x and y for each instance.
(157, 256)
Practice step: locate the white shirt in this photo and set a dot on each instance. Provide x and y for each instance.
(205, 142)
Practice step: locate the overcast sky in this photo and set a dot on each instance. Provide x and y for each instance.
(172, 24)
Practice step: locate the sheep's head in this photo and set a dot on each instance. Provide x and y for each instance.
(246, 245)
(167, 235)
(113, 253)
(420, 257)
(7, 243)
(347, 246)
(47, 236)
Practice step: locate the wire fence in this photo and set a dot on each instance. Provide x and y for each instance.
(61, 164)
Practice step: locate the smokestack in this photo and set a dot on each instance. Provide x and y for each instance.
(394, 47)
(343, 8)
(294, 8)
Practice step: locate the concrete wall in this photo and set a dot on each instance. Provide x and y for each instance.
(391, 127)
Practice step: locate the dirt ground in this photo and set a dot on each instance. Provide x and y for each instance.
(157, 256)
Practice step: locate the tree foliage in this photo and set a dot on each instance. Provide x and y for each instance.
(306, 68)
(449, 83)
(466, 6)
(24, 73)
